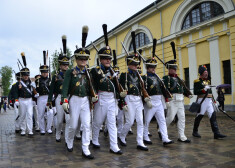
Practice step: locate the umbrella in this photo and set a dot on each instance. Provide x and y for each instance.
(223, 86)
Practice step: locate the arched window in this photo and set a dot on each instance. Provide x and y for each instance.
(202, 12)
(141, 39)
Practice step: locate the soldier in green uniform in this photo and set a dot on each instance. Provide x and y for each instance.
(131, 82)
(56, 90)
(23, 97)
(106, 107)
(76, 85)
(201, 88)
(175, 105)
(42, 87)
(156, 90)
(12, 103)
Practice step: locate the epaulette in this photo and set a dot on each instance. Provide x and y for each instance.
(13, 84)
(98, 67)
(197, 80)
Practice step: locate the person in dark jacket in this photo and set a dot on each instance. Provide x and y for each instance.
(220, 98)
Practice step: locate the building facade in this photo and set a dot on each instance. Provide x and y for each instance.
(203, 31)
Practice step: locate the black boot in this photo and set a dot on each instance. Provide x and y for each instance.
(196, 125)
(215, 128)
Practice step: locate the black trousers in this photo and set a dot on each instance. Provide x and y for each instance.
(221, 104)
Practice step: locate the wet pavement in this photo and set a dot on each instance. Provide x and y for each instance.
(43, 151)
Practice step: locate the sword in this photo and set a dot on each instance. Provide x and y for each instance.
(17, 117)
(224, 112)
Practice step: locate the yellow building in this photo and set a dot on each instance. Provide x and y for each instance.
(203, 31)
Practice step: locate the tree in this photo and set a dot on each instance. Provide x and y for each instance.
(54, 61)
(6, 75)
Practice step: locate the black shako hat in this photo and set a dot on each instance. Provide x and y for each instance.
(202, 69)
(63, 57)
(106, 51)
(44, 68)
(133, 59)
(24, 71)
(83, 53)
(172, 63)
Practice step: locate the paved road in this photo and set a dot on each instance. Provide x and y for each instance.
(43, 151)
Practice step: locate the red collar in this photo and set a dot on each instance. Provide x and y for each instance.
(203, 79)
(173, 75)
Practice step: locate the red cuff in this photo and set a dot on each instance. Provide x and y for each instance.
(66, 101)
(10, 101)
(166, 99)
(203, 91)
(16, 100)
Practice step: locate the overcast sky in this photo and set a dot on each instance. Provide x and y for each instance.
(32, 26)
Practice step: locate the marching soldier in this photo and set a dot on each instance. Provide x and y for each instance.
(56, 90)
(12, 102)
(156, 89)
(131, 81)
(23, 98)
(107, 89)
(77, 85)
(35, 108)
(204, 92)
(42, 87)
(175, 106)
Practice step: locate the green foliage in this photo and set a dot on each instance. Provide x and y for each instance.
(54, 61)
(6, 75)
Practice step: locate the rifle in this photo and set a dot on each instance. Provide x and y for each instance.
(92, 91)
(143, 90)
(49, 66)
(188, 92)
(119, 86)
(166, 91)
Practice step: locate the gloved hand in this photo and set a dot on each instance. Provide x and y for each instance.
(66, 107)
(125, 108)
(149, 104)
(123, 94)
(36, 95)
(94, 99)
(49, 104)
(207, 87)
(17, 103)
(168, 105)
(148, 101)
(190, 96)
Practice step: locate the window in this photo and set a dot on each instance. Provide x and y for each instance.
(186, 77)
(202, 12)
(141, 39)
(227, 75)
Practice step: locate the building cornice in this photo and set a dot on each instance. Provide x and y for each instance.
(133, 19)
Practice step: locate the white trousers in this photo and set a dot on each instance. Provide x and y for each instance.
(79, 107)
(35, 114)
(17, 118)
(41, 104)
(60, 118)
(120, 121)
(135, 111)
(26, 117)
(105, 109)
(177, 108)
(54, 123)
(50, 116)
(157, 110)
(206, 107)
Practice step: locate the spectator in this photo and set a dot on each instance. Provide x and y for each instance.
(220, 98)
